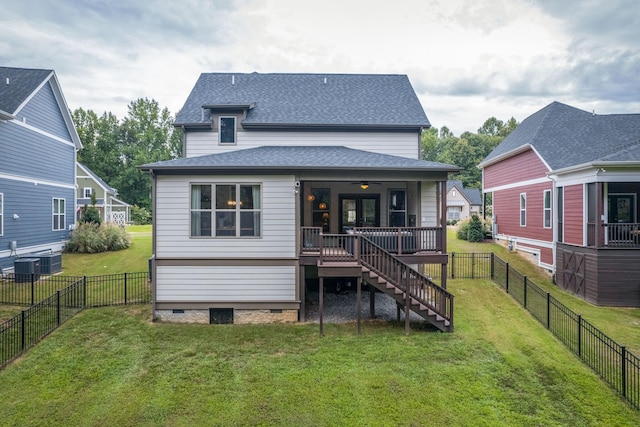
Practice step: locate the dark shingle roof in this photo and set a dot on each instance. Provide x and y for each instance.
(472, 194)
(300, 158)
(565, 136)
(22, 83)
(308, 100)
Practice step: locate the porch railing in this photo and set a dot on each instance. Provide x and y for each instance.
(622, 235)
(397, 240)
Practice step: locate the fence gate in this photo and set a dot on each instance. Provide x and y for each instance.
(573, 272)
(118, 218)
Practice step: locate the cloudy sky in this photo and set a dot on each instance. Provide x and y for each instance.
(468, 60)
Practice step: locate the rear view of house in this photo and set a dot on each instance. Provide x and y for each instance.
(565, 187)
(38, 144)
(284, 178)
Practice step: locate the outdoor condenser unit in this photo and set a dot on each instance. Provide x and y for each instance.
(25, 267)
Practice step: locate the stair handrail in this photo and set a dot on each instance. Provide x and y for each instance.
(419, 287)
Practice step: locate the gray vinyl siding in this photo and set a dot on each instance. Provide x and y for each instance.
(33, 205)
(220, 283)
(397, 144)
(43, 112)
(278, 238)
(26, 153)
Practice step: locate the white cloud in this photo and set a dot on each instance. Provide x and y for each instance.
(468, 60)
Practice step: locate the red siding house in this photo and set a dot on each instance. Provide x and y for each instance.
(565, 187)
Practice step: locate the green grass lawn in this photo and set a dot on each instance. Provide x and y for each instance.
(620, 324)
(113, 367)
(134, 259)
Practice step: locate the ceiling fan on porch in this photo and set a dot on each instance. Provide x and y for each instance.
(365, 184)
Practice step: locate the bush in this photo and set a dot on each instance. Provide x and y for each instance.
(90, 238)
(476, 229)
(91, 214)
(140, 216)
(463, 230)
(115, 237)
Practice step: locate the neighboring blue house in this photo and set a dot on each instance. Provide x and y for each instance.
(38, 145)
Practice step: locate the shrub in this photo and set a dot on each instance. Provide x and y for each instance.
(463, 230)
(91, 214)
(115, 237)
(476, 229)
(86, 238)
(89, 237)
(140, 216)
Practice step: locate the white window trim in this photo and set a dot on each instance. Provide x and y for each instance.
(62, 214)
(235, 130)
(237, 211)
(84, 192)
(546, 209)
(523, 197)
(1, 214)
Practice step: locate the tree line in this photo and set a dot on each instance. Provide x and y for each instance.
(467, 150)
(114, 148)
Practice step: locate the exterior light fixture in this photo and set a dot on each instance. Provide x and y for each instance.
(311, 197)
(322, 205)
(364, 185)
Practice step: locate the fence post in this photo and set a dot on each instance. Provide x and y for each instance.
(453, 265)
(473, 265)
(525, 291)
(580, 335)
(624, 371)
(125, 288)
(58, 307)
(23, 330)
(548, 310)
(492, 266)
(507, 277)
(33, 285)
(84, 287)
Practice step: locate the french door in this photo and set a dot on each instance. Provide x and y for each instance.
(358, 210)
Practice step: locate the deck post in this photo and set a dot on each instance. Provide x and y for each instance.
(320, 304)
(407, 302)
(372, 302)
(358, 303)
(302, 289)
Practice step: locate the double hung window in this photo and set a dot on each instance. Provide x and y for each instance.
(59, 218)
(523, 209)
(547, 208)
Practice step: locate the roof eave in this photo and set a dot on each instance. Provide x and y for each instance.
(594, 165)
(6, 116)
(334, 126)
(518, 150)
(150, 168)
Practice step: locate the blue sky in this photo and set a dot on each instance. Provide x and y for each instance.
(467, 60)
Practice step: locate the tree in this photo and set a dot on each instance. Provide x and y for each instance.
(147, 136)
(113, 149)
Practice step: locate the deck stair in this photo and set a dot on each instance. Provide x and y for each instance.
(388, 274)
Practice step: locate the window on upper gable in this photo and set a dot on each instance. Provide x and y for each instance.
(227, 130)
(87, 192)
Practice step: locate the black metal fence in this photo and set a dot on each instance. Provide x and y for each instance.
(111, 289)
(612, 361)
(463, 266)
(74, 294)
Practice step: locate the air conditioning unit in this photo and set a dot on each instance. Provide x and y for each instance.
(25, 268)
(50, 263)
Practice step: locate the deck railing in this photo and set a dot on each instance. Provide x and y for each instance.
(622, 235)
(419, 287)
(397, 240)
